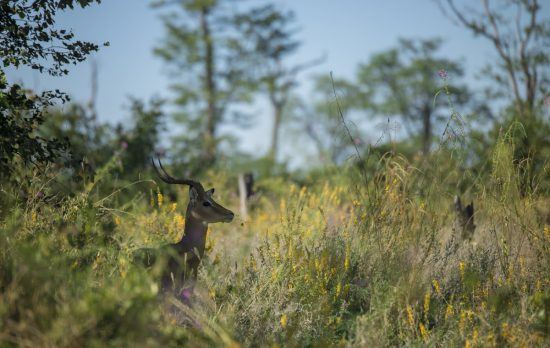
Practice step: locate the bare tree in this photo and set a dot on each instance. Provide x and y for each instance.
(521, 39)
(270, 40)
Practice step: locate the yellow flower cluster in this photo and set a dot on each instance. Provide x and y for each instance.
(284, 320)
(436, 286)
(410, 316)
(160, 199)
(462, 268)
(427, 298)
(423, 332)
(179, 221)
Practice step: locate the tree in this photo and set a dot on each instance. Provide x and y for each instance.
(521, 39)
(29, 37)
(402, 82)
(200, 46)
(140, 141)
(89, 141)
(320, 120)
(522, 45)
(269, 33)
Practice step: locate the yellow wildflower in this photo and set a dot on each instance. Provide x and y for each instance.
(282, 206)
(302, 191)
(179, 221)
(117, 220)
(462, 267)
(410, 316)
(505, 329)
(160, 198)
(284, 320)
(346, 289)
(436, 286)
(427, 304)
(173, 207)
(346, 259)
(423, 332)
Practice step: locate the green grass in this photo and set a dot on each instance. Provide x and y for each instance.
(343, 259)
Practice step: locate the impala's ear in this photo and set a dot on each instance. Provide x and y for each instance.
(210, 192)
(193, 195)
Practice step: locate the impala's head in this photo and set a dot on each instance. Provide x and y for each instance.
(201, 204)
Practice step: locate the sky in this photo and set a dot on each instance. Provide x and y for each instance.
(346, 31)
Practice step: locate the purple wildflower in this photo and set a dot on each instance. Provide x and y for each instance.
(186, 295)
(442, 73)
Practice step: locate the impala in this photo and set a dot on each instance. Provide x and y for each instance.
(183, 257)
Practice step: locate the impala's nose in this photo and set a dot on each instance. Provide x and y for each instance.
(230, 217)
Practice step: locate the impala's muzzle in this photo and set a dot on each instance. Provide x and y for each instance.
(229, 217)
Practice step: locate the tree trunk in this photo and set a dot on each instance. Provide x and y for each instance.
(277, 117)
(209, 150)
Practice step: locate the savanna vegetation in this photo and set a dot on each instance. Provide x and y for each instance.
(436, 234)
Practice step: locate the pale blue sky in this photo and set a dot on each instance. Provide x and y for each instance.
(348, 31)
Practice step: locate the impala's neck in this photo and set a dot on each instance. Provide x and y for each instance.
(194, 235)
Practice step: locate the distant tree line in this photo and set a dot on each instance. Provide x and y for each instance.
(223, 55)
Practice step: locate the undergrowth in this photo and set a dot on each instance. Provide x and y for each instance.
(345, 259)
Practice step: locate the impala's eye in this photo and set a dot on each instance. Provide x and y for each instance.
(206, 204)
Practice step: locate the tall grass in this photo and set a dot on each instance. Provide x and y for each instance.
(333, 261)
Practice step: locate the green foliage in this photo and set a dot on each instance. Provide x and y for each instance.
(90, 142)
(20, 116)
(94, 144)
(29, 37)
(141, 141)
(210, 75)
(401, 82)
